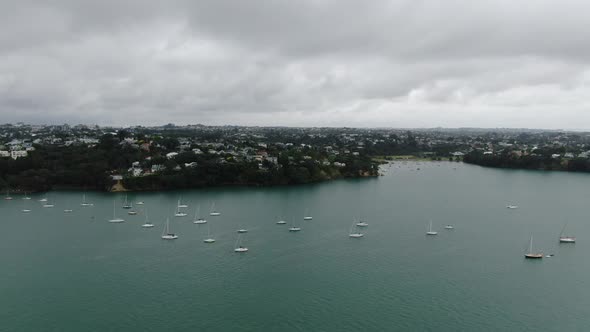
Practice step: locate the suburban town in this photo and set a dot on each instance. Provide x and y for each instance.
(138, 157)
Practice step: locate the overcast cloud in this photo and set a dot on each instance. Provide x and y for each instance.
(485, 63)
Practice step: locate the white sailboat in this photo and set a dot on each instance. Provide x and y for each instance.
(8, 197)
(430, 231)
(209, 239)
(147, 223)
(198, 220)
(306, 216)
(44, 199)
(27, 197)
(294, 228)
(355, 232)
(48, 204)
(181, 205)
(533, 255)
(242, 230)
(213, 211)
(115, 218)
(362, 223)
(25, 208)
(166, 235)
(281, 221)
(179, 213)
(68, 209)
(566, 238)
(84, 203)
(140, 203)
(132, 212)
(449, 227)
(512, 206)
(127, 204)
(238, 246)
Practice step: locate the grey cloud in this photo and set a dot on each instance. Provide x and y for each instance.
(315, 62)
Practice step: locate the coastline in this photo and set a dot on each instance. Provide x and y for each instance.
(121, 188)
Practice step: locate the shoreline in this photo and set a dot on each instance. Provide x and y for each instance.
(119, 188)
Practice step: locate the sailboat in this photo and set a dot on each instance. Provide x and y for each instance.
(362, 223)
(306, 216)
(179, 213)
(198, 219)
(48, 204)
(209, 239)
(449, 227)
(566, 238)
(25, 208)
(140, 203)
(530, 254)
(115, 219)
(355, 232)
(84, 203)
(8, 197)
(44, 199)
(213, 211)
(180, 205)
(242, 230)
(126, 204)
(147, 223)
(430, 231)
(511, 206)
(238, 246)
(281, 221)
(166, 235)
(132, 212)
(67, 209)
(27, 198)
(293, 228)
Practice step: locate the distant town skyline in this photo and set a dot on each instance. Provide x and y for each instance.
(393, 64)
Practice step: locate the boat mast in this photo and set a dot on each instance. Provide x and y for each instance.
(563, 229)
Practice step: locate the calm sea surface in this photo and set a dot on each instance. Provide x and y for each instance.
(78, 272)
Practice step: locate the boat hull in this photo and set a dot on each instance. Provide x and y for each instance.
(533, 256)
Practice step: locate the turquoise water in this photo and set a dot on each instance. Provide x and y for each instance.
(77, 272)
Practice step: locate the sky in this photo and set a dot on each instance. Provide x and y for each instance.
(403, 64)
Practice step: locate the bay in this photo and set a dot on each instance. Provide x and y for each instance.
(78, 272)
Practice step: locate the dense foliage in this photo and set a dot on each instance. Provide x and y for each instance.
(81, 166)
(508, 159)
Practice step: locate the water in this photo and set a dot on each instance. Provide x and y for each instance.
(78, 272)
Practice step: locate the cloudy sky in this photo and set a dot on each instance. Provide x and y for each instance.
(452, 63)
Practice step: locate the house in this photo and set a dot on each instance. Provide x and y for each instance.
(157, 168)
(18, 154)
(191, 165)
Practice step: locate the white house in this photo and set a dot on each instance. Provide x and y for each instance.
(18, 154)
(171, 155)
